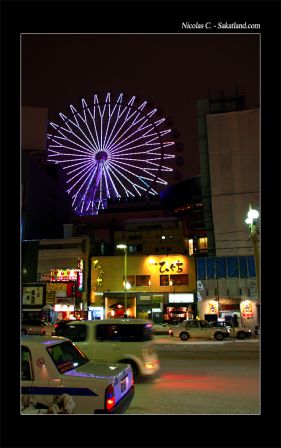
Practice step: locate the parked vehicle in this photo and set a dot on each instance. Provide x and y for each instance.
(116, 340)
(161, 329)
(196, 328)
(239, 332)
(36, 326)
(53, 367)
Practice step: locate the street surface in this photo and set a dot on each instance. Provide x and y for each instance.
(202, 377)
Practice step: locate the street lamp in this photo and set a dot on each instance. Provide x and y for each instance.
(251, 220)
(124, 246)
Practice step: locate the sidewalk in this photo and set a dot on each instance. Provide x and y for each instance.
(249, 348)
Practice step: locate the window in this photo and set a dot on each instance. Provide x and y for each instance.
(143, 280)
(132, 248)
(66, 356)
(76, 333)
(203, 243)
(243, 266)
(190, 246)
(130, 279)
(210, 262)
(124, 333)
(203, 324)
(232, 267)
(179, 279)
(26, 371)
(192, 324)
(164, 280)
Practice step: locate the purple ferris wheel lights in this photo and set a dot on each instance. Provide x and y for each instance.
(110, 149)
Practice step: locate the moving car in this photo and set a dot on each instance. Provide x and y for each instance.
(116, 340)
(196, 328)
(52, 367)
(36, 326)
(238, 332)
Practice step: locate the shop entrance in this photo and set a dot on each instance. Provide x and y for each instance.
(115, 307)
(176, 314)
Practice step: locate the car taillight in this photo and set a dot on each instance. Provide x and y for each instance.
(109, 397)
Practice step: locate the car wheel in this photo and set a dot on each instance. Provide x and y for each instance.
(241, 335)
(219, 336)
(23, 332)
(184, 336)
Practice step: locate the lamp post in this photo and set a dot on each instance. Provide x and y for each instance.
(124, 246)
(251, 220)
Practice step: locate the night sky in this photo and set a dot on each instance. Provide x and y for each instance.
(172, 70)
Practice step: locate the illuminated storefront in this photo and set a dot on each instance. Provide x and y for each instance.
(157, 286)
(63, 291)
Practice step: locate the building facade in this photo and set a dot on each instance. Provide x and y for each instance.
(158, 287)
(229, 143)
(62, 273)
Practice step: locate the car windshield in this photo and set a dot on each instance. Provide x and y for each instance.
(67, 356)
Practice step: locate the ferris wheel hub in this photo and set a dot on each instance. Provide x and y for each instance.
(101, 156)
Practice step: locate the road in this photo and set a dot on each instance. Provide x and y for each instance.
(202, 377)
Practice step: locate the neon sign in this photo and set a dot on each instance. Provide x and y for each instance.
(97, 267)
(63, 275)
(165, 266)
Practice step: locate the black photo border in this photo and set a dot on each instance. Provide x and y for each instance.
(138, 431)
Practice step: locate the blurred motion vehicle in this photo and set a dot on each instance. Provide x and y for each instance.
(52, 367)
(59, 325)
(196, 328)
(37, 327)
(161, 329)
(239, 332)
(116, 340)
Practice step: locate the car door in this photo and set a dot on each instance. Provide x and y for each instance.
(27, 377)
(205, 330)
(106, 342)
(193, 328)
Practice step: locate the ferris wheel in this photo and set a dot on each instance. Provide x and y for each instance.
(110, 149)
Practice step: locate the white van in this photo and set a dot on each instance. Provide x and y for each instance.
(117, 340)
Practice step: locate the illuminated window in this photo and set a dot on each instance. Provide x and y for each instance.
(143, 280)
(203, 243)
(130, 279)
(164, 280)
(180, 279)
(190, 247)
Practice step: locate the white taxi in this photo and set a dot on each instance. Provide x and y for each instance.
(55, 366)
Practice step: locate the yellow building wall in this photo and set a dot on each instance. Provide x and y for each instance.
(107, 272)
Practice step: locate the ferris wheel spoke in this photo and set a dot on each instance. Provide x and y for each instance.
(117, 180)
(79, 169)
(128, 181)
(111, 180)
(83, 172)
(85, 110)
(77, 126)
(131, 173)
(111, 142)
(119, 115)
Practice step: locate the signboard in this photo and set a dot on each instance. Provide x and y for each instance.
(63, 275)
(181, 298)
(33, 294)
